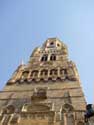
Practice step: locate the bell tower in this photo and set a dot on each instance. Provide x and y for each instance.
(47, 90)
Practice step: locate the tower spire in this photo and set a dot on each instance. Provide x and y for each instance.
(22, 62)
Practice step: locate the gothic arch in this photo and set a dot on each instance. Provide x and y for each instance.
(34, 73)
(44, 72)
(53, 57)
(25, 74)
(53, 72)
(44, 57)
(61, 71)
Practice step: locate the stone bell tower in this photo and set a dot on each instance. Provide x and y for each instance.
(46, 91)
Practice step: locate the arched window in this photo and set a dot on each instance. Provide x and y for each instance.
(25, 74)
(34, 73)
(44, 72)
(44, 57)
(62, 72)
(53, 72)
(53, 57)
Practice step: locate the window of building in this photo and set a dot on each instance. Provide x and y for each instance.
(34, 73)
(44, 72)
(44, 57)
(62, 72)
(53, 57)
(25, 74)
(53, 72)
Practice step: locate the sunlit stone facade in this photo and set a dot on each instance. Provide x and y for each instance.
(46, 91)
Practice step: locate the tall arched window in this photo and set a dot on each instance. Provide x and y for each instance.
(53, 57)
(44, 57)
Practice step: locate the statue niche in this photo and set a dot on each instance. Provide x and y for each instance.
(39, 94)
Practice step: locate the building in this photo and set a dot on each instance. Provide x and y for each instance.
(46, 91)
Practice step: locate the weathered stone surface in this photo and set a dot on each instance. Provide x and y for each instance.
(47, 90)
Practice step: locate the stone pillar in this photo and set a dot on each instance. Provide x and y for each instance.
(48, 73)
(49, 57)
(29, 74)
(58, 71)
(39, 74)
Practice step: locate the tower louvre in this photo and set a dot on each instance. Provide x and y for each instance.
(47, 90)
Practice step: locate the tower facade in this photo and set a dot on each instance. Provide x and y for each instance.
(46, 91)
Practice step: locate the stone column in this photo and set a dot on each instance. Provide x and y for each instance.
(29, 74)
(39, 73)
(49, 57)
(48, 73)
(58, 71)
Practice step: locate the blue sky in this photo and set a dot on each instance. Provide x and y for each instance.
(25, 24)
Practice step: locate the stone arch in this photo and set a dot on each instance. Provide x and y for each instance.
(58, 79)
(44, 57)
(34, 73)
(62, 71)
(44, 72)
(25, 74)
(62, 74)
(53, 57)
(53, 72)
(80, 123)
